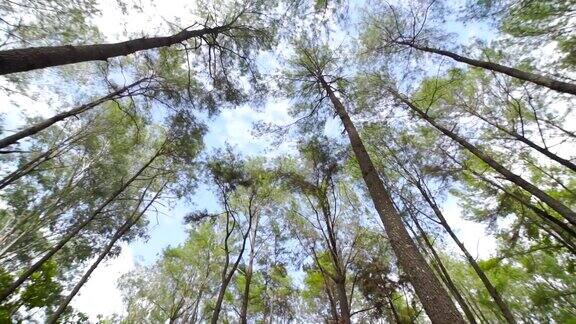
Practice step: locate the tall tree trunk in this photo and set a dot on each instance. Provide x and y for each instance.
(219, 301)
(545, 81)
(119, 234)
(444, 273)
(75, 230)
(224, 275)
(432, 295)
(250, 267)
(336, 258)
(227, 275)
(333, 308)
(472, 302)
(559, 207)
(26, 59)
(551, 225)
(246, 294)
(29, 166)
(31, 130)
(559, 227)
(489, 287)
(342, 300)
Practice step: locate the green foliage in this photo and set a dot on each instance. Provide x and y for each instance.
(298, 225)
(43, 289)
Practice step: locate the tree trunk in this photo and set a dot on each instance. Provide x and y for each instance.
(119, 233)
(79, 226)
(343, 300)
(333, 309)
(227, 277)
(509, 175)
(224, 275)
(218, 305)
(246, 294)
(491, 289)
(28, 167)
(432, 295)
(559, 227)
(545, 81)
(335, 256)
(445, 274)
(31, 130)
(474, 305)
(26, 59)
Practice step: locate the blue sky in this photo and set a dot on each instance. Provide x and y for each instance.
(232, 126)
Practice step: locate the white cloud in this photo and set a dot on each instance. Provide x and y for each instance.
(100, 295)
(235, 127)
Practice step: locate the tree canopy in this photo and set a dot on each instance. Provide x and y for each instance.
(288, 161)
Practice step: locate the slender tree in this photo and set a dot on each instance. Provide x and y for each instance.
(433, 296)
(228, 174)
(559, 207)
(409, 27)
(122, 230)
(36, 161)
(318, 188)
(441, 269)
(418, 182)
(554, 84)
(33, 129)
(74, 231)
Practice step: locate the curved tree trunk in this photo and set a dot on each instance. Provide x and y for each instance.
(432, 295)
(31, 130)
(545, 81)
(249, 272)
(559, 207)
(26, 59)
(75, 230)
(224, 275)
(227, 275)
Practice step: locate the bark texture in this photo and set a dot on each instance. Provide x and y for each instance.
(432, 295)
(26, 59)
